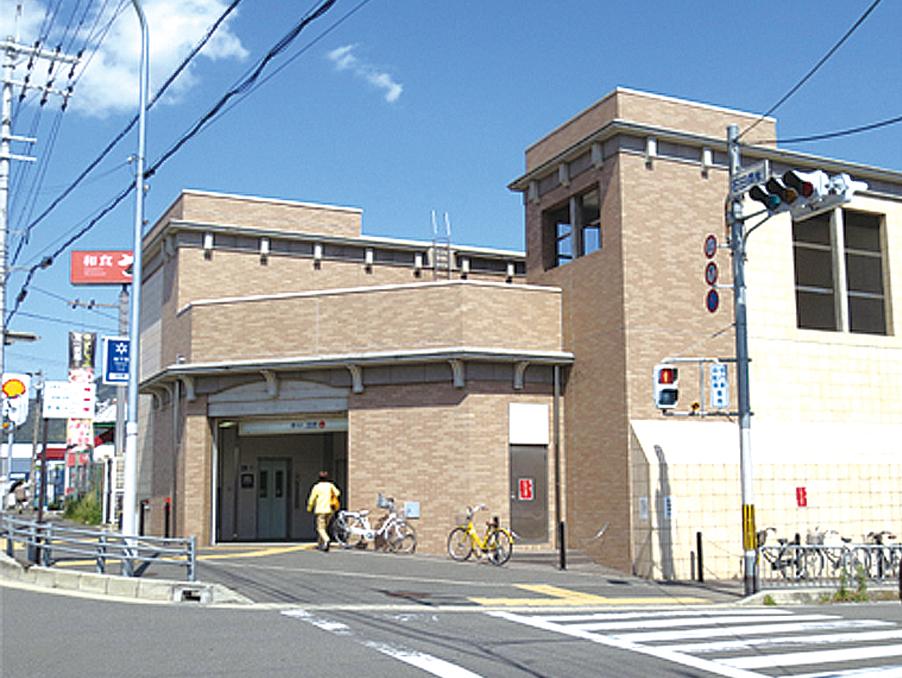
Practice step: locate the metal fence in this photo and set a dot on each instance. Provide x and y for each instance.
(798, 565)
(48, 543)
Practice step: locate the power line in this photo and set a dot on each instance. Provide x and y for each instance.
(112, 144)
(50, 319)
(817, 66)
(834, 135)
(244, 85)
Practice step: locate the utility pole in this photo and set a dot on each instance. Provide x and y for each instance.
(13, 52)
(130, 493)
(737, 249)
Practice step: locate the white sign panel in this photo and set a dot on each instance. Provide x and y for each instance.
(528, 424)
(67, 400)
(283, 426)
(15, 397)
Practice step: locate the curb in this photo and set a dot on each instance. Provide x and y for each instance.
(808, 596)
(157, 590)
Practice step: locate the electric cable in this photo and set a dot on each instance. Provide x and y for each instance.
(835, 135)
(112, 144)
(814, 70)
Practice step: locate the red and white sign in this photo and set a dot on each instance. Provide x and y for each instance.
(101, 267)
(801, 497)
(526, 489)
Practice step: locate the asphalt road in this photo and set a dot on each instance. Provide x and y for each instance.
(48, 634)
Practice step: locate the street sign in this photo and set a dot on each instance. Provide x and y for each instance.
(101, 267)
(711, 273)
(711, 246)
(57, 400)
(115, 360)
(712, 300)
(747, 177)
(719, 387)
(526, 489)
(15, 397)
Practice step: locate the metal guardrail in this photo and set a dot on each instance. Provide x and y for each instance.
(48, 543)
(795, 565)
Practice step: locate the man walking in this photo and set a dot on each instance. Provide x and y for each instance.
(322, 502)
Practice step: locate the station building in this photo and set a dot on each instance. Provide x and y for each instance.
(277, 340)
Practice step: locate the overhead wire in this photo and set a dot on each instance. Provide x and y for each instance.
(279, 47)
(814, 69)
(835, 135)
(112, 144)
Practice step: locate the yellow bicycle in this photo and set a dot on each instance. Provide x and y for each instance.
(496, 543)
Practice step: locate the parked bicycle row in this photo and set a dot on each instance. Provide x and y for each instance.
(828, 555)
(391, 532)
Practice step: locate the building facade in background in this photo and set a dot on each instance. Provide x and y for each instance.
(278, 340)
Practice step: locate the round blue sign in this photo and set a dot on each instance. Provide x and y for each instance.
(711, 246)
(712, 301)
(711, 273)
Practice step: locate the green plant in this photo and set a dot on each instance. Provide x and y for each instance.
(769, 600)
(845, 594)
(85, 509)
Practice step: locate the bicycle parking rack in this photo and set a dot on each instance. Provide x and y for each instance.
(804, 565)
(48, 543)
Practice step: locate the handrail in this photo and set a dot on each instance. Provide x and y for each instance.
(44, 542)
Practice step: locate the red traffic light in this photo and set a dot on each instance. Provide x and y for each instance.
(667, 375)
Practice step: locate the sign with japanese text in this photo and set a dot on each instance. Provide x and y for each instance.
(526, 489)
(801, 497)
(101, 267)
(82, 350)
(115, 360)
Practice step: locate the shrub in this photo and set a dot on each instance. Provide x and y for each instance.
(85, 509)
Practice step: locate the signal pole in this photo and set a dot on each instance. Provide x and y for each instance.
(737, 249)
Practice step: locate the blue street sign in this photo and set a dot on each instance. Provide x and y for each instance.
(115, 360)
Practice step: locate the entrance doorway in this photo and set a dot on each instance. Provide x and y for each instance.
(272, 499)
(529, 492)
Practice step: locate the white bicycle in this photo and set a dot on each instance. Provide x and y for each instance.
(392, 533)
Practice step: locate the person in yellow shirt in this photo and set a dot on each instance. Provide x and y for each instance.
(323, 500)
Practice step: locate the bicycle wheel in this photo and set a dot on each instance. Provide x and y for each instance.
(812, 563)
(342, 531)
(459, 545)
(499, 546)
(404, 539)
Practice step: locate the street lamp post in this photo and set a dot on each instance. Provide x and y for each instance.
(129, 499)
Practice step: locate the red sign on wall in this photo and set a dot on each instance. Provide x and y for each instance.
(101, 267)
(801, 497)
(526, 489)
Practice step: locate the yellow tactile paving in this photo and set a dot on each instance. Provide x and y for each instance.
(556, 596)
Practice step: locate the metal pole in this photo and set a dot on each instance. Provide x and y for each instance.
(6, 113)
(38, 383)
(121, 396)
(42, 498)
(737, 249)
(131, 426)
(556, 424)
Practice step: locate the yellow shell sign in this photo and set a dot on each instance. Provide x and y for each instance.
(13, 388)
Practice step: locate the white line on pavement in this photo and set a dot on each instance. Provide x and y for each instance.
(657, 652)
(817, 657)
(719, 620)
(426, 662)
(683, 612)
(822, 639)
(751, 630)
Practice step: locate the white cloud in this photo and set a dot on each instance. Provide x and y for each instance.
(344, 59)
(109, 82)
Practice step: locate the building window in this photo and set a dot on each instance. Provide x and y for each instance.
(864, 272)
(839, 268)
(574, 228)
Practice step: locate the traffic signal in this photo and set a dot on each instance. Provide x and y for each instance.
(804, 194)
(666, 386)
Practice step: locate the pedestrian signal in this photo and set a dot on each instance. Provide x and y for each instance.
(666, 386)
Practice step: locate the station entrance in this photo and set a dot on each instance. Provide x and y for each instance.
(265, 469)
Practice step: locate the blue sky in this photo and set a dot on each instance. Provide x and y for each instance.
(409, 106)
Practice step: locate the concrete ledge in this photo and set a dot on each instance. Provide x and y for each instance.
(808, 596)
(163, 590)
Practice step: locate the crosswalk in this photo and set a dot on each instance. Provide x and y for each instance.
(740, 643)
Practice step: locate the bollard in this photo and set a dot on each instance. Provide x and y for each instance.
(562, 545)
(192, 558)
(46, 555)
(698, 549)
(8, 530)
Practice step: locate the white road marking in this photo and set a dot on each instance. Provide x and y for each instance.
(752, 630)
(659, 653)
(426, 662)
(817, 657)
(682, 612)
(719, 620)
(894, 671)
(822, 639)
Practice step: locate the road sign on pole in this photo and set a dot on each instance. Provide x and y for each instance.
(115, 360)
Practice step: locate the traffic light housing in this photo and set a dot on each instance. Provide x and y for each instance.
(666, 379)
(805, 194)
